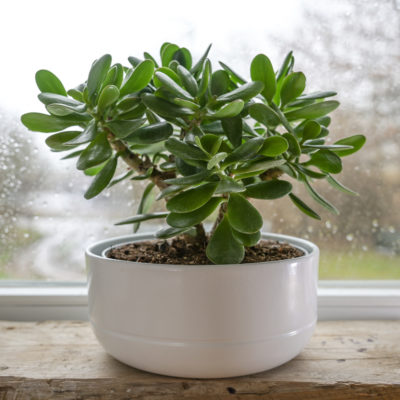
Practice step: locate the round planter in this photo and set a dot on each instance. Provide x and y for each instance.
(203, 321)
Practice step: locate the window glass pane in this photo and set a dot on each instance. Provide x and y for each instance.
(351, 46)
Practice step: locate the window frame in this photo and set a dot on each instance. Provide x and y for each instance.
(337, 300)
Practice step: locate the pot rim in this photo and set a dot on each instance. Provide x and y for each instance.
(97, 250)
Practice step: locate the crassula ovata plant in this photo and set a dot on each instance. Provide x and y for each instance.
(207, 139)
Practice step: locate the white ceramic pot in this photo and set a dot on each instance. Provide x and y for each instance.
(203, 321)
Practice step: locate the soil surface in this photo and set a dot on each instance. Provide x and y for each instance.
(178, 251)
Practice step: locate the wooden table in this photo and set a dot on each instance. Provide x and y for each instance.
(62, 360)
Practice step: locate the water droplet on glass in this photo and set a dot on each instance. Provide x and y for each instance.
(349, 237)
(391, 229)
(26, 235)
(364, 248)
(375, 223)
(328, 224)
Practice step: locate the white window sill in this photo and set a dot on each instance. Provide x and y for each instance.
(30, 301)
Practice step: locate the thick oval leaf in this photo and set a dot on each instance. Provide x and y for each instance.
(57, 141)
(293, 86)
(97, 75)
(319, 199)
(164, 108)
(86, 136)
(219, 83)
(317, 95)
(97, 152)
(294, 146)
(170, 73)
(170, 85)
(235, 77)
(245, 92)
(213, 127)
(245, 151)
(191, 199)
(223, 247)
(47, 82)
(114, 76)
(166, 233)
(242, 215)
(303, 207)
(210, 143)
(38, 122)
(139, 79)
(190, 179)
(142, 217)
(51, 98)
(283, 70)
(189, 82)
(205, 79)
(268, 190)
(356, 141)
(122, 129)
(311, 130)
(199, 65)
(186, 103)
(102, 179)
(60, 110)
(264, 114)
(258, 166)
(247, 239)
(108, 96)
(229, 185)
(185, 151)
(326, 161)
(261, 70)
(233, 128)
(313, 111)
(151, 133)
(228, 110)
(274, 146)
(339, 186)
(167, 53)
(185, 220)
(183, 57)
(184, 168)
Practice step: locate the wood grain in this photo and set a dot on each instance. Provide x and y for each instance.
(62, 360)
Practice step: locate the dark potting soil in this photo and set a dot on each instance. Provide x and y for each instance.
(179, 251)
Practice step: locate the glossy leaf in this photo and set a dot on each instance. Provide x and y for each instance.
(303, 207)
(258, 166)
(57, 141)
(245, 92)
(167, 52)
(293, 86)
(210, 143)
(223, 247)
(145, 203)
(233, 75)
(261, 70)
(164, 108)
(242, 215)
(191, 199)
(97, 75)
(319, 199)
(142, 217)
(97, 152)
(150, 134)
(173, 87)
(166, 71)
(108, 96)
(247, 239)
(184, 150)
(229, 185)
(102, 179)
(121, 177)
(268, 190)
(205, 79)
(356, 141)
(139, 79)
(216, 160)
(169, 232)
(185, 220)
(183, 57)
(233, 128)
(38, 122)
(311, 130)
(339, 186)
(294, 146)
(219, 83)
(122, 129)
(47, 82)
(326, 161)
(317, 95)
(189, 82)
(190, 179)
(312, 111)
(264, 114)
(88, 134)
(228, 110)
(199, 65)
(245, 151)
(274, 146)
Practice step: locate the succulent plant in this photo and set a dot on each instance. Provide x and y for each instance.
(209, 140)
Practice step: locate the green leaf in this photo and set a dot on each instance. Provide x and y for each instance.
(102, 179)
(258, 166)
(274, 146)
(219, 83)
(205, 79)
(122, 129)
(185, 168)
(139, 79)
(183, 57)
(317, 95)
(188, 80)
(186, 103)
(190, 179)
(108, 96)
(217, 158)
(38, 122)
(164, 108)
(148, 56)
(245, 151)
(232, 74)
(144, 176)
(121, 177)
(339, 186)
(293, 86)
(184, 150)
(47, 82)
(166, 71)
(233, 128)
(145, 203)
(94, 170)
(88, 134)
(51, 98)
(264, 114)
(242, 215)
(319, 199)
(247, 239)
(285, 66)
(303, 207)
(191, 199)
(167, 52)
(185, 220)
(223, 247)
(210, 143)
(60, 110)
(268, 190)
(261, 70)
(97, 152)
(228, 110)
(57, 141)
(311, 130)
(229, 185)
(199, 65)
(97, 75)
(142, 217)
(245, 92)
(213, 127)
(356, 141)
(294, 146)
(313, 111)
(134, 61)
(169, 232)
(310, 172)
(173, 87)
(114, 76)
(169, 190)
(326, 161)
(151, 133)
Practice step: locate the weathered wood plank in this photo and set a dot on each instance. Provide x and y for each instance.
(62, 360)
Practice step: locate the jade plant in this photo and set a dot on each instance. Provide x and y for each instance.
(207, 139)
